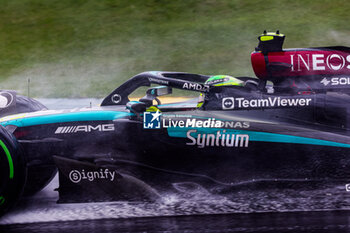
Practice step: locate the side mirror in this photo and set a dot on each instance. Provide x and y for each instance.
(136, 107)
(153, 92)
(159, 91)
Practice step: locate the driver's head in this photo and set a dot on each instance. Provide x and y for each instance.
(220, 80)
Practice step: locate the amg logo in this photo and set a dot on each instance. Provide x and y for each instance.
(84, 128)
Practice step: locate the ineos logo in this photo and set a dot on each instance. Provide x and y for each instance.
(334, 58)
(308, 62)
(228, 103)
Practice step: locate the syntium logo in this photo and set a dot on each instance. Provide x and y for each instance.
(220, 138)
(84, 128)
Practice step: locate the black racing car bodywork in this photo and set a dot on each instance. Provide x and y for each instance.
(276, 128)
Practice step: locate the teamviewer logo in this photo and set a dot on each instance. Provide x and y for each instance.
(228, 103)
(151, 120)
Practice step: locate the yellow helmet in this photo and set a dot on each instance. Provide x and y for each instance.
(220, 80)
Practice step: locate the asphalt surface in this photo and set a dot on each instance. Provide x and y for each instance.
(320, 222)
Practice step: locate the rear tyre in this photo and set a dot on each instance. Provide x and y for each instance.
(12, 170)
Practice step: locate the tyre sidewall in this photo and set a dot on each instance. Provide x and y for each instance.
(13, 172)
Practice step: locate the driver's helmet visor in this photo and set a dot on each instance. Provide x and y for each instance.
(220, 80)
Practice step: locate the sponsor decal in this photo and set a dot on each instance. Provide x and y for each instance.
(228, 103)
(336, 81)
(325, 81)
(157, 120)
(151, 120)
(318, 62)
(200, 123)
(155, 80)
(219, 139)
(116, 98)
(347, 187)
(84, 128)
(6, 99)
(103, 174)
(234, 103)
(255, 136)
(196, 87)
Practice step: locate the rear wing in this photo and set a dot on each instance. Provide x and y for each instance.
(185, 81)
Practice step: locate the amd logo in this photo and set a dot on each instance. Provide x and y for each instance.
(195, 86)
(319, 62)
(84, 128)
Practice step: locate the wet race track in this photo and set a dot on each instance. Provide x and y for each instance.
(306, 207)
(319, 209)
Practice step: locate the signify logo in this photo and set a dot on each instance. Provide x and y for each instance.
(219, 139)
(103, 174)
(84, 128)
(233, 103)
(151, 120)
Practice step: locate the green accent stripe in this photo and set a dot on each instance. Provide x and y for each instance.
(258, 136)
(9, 158)
(67, 117)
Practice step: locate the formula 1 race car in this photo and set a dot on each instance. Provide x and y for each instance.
(289, 124)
